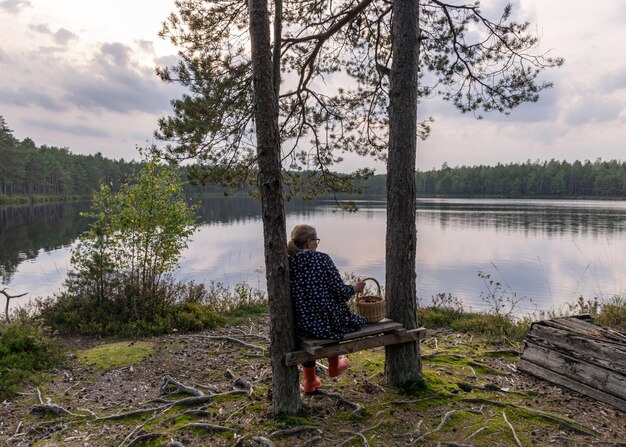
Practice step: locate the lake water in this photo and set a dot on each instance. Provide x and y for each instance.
(547, 252)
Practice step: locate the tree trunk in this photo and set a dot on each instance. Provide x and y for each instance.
(402, 362)
(285, 389)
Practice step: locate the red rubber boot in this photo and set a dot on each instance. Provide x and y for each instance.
(337, 365)
(311, 382)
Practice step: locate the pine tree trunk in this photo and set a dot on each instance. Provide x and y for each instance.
(285, 389)
(402, 362)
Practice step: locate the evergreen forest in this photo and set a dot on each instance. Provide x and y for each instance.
(28, 170)
(31, 171)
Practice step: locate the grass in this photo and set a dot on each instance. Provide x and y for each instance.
(25, 353)
(447, 312)
(116, 355)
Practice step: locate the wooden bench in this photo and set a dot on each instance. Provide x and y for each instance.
(383, 333)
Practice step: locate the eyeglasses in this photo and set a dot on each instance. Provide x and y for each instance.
(316, 240)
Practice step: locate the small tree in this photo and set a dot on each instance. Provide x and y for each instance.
(136, 236)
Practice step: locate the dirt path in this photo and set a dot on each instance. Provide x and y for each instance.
(214, 388)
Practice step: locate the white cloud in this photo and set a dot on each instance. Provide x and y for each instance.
(15, 6)
(63, 36)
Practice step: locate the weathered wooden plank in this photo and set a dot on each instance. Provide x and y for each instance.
(367, 330)
(585, 327)
(590, 374)
(546, 374)
(608, 354)
(347, 347)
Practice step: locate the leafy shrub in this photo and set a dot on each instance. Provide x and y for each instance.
(175, 305)
(24, 352)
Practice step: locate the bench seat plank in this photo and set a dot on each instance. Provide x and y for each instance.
(342, 347)
(382, 326)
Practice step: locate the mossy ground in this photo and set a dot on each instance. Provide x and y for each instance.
(464, 378)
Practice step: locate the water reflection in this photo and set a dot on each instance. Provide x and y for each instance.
(548, 251)
(25, 232)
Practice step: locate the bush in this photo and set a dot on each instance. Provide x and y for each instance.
(174, 306)
(24, 352)
(179, 306)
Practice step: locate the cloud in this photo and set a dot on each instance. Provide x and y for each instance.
(14, 6)
(74, 129)
(111, 79)
(114, 81)
(493, 9)
(3, 56)
(146, 45)
(30, 96)
(40, 28)
(593, 110)
(167, 61)
(615, 80)
(63, 36)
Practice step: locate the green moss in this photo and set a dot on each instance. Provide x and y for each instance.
(117, 355)
(283, 422)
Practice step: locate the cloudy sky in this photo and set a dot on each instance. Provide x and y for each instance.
(80, 74)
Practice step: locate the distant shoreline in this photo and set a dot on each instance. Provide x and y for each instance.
(19, 200)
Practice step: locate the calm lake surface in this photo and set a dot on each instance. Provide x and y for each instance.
(547, 252)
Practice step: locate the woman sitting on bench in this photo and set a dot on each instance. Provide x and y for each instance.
(320, 298)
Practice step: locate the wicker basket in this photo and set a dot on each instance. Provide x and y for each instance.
(371, 307)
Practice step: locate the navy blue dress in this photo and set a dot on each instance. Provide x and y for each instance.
(320, 297)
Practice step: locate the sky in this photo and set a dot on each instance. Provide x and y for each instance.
(80, 74)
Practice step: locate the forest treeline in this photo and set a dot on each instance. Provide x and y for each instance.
(30, 170)
(27, 170)
(598, 179)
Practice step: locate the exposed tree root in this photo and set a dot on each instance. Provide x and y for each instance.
(169, 382)
(206, 426)
(517, 441)
(55, 409)
(476, 433)
(117, 416)
(552, 418)
(444, 420)
(263, 441)
(361, 435)
(143, 438)
(357, 409)
(294, 430)
(230, 340)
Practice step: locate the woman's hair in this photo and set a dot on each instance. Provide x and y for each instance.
(300, 235)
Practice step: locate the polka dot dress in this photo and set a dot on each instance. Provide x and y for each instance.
(320, 297)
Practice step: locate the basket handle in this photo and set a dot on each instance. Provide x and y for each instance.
(380, 293)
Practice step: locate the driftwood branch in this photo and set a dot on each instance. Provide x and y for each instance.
(9, 297)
